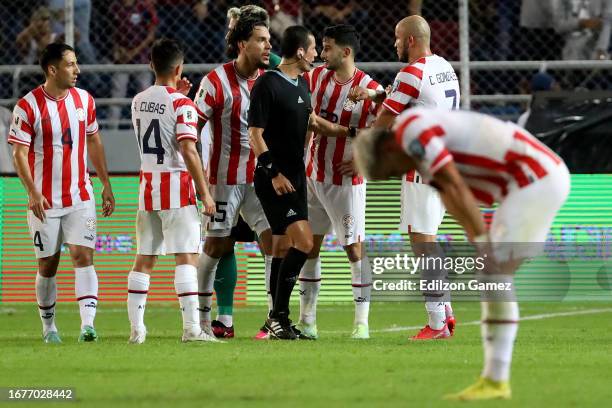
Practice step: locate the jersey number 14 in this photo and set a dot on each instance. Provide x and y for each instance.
(157, 149)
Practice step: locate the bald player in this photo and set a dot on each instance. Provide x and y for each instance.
(427, 81)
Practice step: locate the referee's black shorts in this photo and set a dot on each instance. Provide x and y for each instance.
(282, 210)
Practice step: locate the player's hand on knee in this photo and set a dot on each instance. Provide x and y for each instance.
(282, 185)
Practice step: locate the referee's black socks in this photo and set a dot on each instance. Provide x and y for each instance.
(289, 271)
(274, 274)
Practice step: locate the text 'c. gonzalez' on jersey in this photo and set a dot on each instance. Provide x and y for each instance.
(429, 82)
(330, 101)
(493, 157)
(56, 131)
(162, 117)
(223, 101)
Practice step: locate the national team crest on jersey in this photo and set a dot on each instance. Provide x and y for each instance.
(80, 114)
(349, 105)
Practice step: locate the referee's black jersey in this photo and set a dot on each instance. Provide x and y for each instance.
(281, 106)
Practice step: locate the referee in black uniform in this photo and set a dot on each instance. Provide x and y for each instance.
(278, 122)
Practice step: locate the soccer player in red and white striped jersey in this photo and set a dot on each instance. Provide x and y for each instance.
(223, 102)
(168, 220)
(430, 81)
(474, 159)
(337, 200)
(54, 128)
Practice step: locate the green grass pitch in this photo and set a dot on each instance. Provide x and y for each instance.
(562, 358)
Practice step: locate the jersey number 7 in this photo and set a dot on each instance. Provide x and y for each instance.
(157, 149)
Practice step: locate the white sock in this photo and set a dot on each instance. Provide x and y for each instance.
(46, 295)
(448, 309)
(499, 327)
(86, 290)
(437, 314)
(268, 271)
(186, 286)
(227, 320)
(207, 269)
(310, 284)
(138, 287)
(361, 279)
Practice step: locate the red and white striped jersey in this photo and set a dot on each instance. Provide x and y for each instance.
(56, 131)
(330, 101)
(429, 82)
(494, 157)
(223, 100)
(162, 117)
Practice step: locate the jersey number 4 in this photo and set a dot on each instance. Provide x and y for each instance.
(157, 148)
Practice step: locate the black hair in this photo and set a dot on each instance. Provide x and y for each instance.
(166, 54)
(250, 17)
(52, 54)
(345, 36)
(294, 37)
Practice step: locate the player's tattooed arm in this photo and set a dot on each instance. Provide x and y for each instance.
(194, 166)
(98, 158)
(360, 93)
(326, 128)
(37, 203)
(459, 200)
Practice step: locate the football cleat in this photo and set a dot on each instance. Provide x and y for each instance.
(427, 333)
(306, 331)
(450, 319)
(201, 335)
(52, 337)
(138, 335)
(483, 389)
(88, 334)
(451, 323)
(221, 331)
(262, 334)
(361, 332)
(280, 329)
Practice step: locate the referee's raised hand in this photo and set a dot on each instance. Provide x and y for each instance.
(282, 185)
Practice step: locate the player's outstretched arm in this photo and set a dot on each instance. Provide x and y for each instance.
(359, 93)
(98, 158)
(194, 166)
(326, 128)
(459, 200)
(37, 203)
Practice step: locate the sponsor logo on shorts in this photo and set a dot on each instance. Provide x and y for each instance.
(91, 224)
(291, 213)
(348, 221)
(90, 237)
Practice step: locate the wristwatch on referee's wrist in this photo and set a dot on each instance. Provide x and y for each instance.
(352, 132)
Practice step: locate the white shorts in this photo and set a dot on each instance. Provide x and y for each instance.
(422, 208)
(173, 231)
(340, 207)
(231, 200)
(74, 226)
(525, 216)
